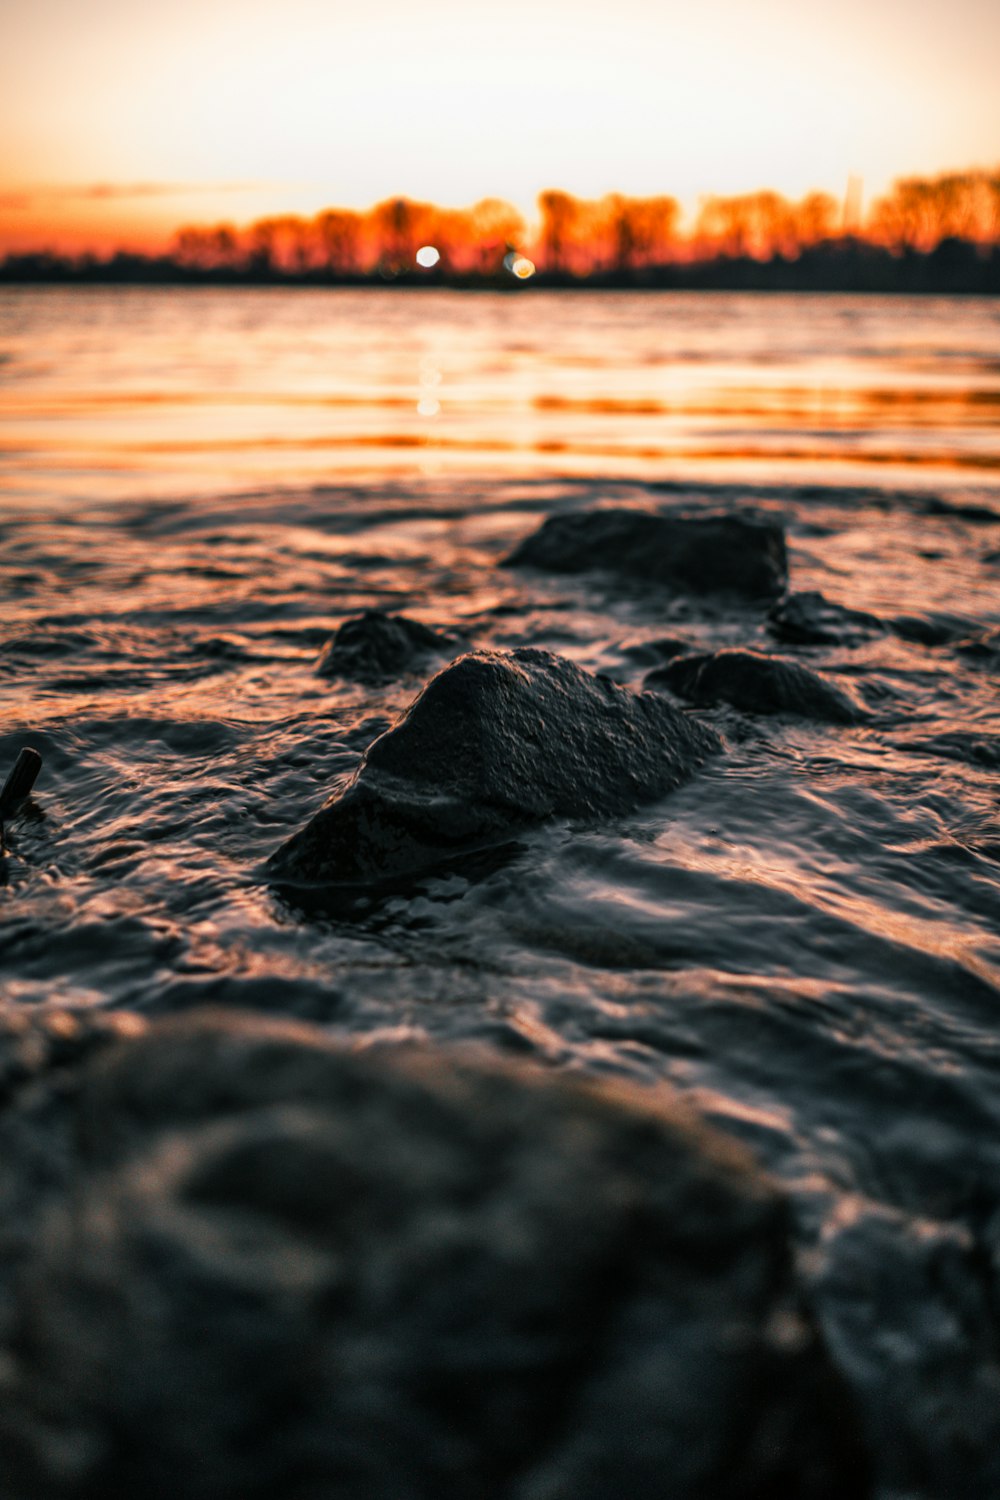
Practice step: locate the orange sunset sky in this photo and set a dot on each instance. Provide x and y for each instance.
(120, 120)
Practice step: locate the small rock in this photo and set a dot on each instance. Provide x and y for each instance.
(980, 750)
(494, 743)
(983, 648)
(809, 619)
(757, 684)
(654, 652)
(375, 646)
(933, 628)
(690, 553)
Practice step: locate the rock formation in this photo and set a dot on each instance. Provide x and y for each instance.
(810, 619)
(757, 684)
(374, 646)
(241, 1262)
(495, 743)
(695, 554)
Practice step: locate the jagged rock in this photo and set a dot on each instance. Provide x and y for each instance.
(264, 1267)
(809, 619)
(757, 684)
(692, 553)
(494, 743)
(373, 646)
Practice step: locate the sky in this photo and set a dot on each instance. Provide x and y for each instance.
(121, 119)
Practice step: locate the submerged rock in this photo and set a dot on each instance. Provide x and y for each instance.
(698, 554)
(935, 628)
(648, 653)
(809, 619)
(263, 1267)
(494, 743)
(757, 684)
(373, 646)
(973, 749)
(983, 648)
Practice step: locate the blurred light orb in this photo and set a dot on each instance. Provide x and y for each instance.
(428, 407)
(428, 256)
(522, 267)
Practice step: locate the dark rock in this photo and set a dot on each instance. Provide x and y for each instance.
(981, 750)
(267, 1268)
(811, 620)
(496, 742)
(696, 554)
(757, 684)
(653, 653)
(933, 629)
(374, 646)
(983, 648)
(960, 511)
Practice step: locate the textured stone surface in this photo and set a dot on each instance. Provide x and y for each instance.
(757, 684)
(375, 646)
(263, 1266)
(494, 743)
(694, 554)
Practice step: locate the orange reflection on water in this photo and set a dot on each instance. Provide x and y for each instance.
(149, 389)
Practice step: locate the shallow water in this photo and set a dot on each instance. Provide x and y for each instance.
(805, 938)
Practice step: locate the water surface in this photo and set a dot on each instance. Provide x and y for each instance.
(199, 486)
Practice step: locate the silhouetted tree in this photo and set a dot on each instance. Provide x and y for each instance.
(559, 215)
(207, 249)
(920, 212)
(339, 236)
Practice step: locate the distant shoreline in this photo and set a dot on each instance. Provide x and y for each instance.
(953, 268)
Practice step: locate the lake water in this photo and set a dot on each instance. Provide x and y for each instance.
(198, 487)
(132, 391)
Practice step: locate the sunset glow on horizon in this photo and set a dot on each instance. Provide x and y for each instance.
(136, 121)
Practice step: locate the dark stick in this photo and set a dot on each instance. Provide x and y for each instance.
(18, 785)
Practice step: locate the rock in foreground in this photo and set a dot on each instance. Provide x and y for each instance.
(695, 554)
(757, 684)
(375, 646)
(260, 1267)
(496, 742)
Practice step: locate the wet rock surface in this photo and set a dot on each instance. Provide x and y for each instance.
(258, 1264)
(374, 646)
(759, 684)
(810, 619)
(699, 554)
(495, 743)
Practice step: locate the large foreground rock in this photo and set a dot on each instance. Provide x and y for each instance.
(494, 743)
(693, 554)
(758, 684)
(255, 1266)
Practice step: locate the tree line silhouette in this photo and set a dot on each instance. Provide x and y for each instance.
(934, 233)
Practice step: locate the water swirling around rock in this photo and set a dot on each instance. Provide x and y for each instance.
(801, 937)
